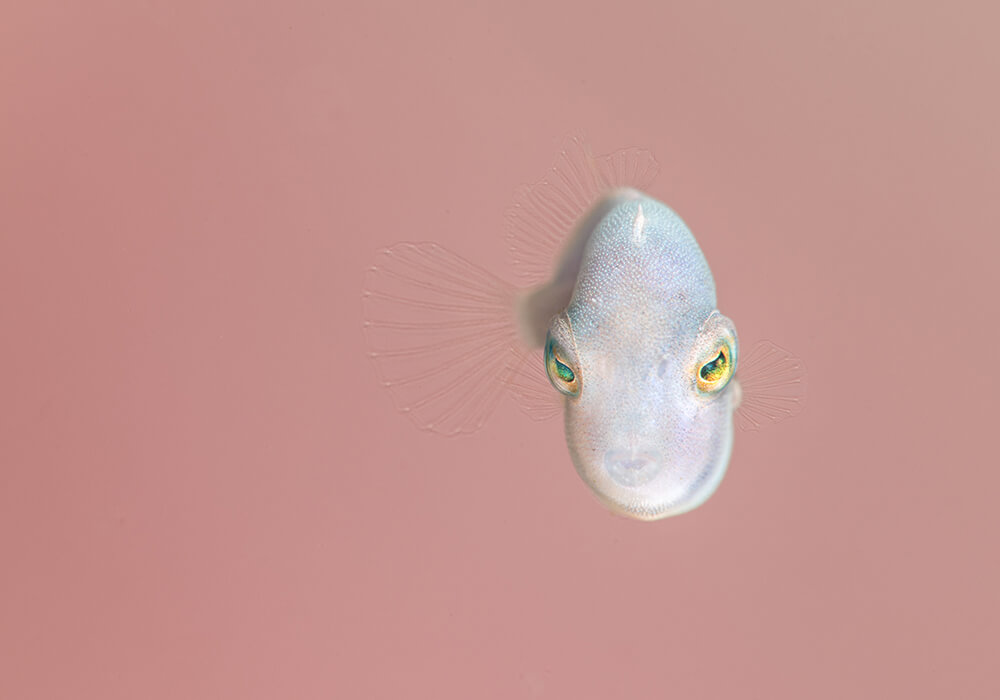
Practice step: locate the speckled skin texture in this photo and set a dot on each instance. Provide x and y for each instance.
(641, 320)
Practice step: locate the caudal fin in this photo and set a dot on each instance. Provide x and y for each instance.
(773, 385)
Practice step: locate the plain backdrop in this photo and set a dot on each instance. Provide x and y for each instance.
(205, 494)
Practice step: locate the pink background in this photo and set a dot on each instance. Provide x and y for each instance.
(204, 494)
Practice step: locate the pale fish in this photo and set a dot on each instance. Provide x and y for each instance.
(620, 301)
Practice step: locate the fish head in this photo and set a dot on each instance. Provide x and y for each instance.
(647, 381)
(649, 428)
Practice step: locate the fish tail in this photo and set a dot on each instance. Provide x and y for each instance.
(771, 386)
(442, 336)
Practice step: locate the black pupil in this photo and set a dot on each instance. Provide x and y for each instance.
(711, 366)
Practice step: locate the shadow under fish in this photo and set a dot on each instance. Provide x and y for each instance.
(614, 322)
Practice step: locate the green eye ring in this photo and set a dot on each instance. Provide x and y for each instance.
(560, 373)
(714, 374)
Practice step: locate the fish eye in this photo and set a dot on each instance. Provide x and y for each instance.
(560, 373)
(715, 374)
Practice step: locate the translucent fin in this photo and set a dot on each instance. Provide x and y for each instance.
(441, 334)
(530, 388)
(543, 215)
(773, 383)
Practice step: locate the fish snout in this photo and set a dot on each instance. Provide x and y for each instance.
(632, 468)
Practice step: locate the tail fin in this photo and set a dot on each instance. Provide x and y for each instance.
(773, 385)
(441, 334)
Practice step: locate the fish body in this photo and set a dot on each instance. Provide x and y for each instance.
(622, 305)
(640, 323)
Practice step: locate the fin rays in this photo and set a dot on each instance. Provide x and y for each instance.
(529, 387)
(542, 215)
(440, 333)
(773, 382)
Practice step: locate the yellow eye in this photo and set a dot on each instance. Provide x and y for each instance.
(560, 374)
(715, 374)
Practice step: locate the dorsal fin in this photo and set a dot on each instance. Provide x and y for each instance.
(539, 222)
(542, 215)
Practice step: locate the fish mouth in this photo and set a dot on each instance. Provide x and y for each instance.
(632, 468)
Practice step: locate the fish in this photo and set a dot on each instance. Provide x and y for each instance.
(612, 321)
